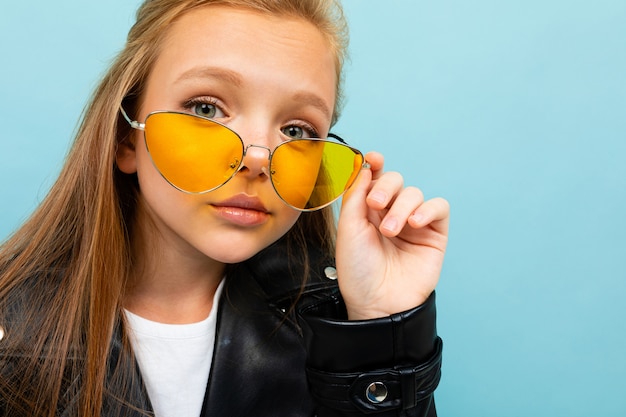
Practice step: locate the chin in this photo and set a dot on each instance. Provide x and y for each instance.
(236, 255)
(237, 247)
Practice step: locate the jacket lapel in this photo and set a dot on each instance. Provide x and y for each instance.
(258, 363)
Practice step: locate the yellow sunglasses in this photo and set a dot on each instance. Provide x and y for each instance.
(196, 155)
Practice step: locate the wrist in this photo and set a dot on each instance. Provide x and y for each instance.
(375, 310)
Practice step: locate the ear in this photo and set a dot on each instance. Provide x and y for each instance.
(126, 157)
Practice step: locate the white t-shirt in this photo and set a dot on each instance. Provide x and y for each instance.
(175, 361)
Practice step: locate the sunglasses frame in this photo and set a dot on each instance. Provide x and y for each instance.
(338, 141)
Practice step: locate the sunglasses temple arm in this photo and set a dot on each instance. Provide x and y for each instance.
(366, 165)
(133, 123)
(332, 135)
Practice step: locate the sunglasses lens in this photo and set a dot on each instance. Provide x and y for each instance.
(192, 153)
(310, 174)
(197, 155)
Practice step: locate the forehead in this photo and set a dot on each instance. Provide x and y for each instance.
(247, 49)
(215, 32)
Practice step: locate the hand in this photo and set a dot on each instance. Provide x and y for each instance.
(390, 244)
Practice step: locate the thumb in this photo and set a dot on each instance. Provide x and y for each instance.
(354, 203)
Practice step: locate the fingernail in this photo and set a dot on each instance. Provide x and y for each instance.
(417, 218)
(378, 196)
(390, 224)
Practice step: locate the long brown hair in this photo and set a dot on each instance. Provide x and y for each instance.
(63, 273)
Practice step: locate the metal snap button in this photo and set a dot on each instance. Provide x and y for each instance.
(330, 272)
(376, 392)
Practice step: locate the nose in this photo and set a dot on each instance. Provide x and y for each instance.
(255, 161)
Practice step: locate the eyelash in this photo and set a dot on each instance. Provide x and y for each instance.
(310, 130)
(189, 104)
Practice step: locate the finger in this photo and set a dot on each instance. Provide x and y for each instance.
(435, 212)
(385, 190)
(376, 162)
(404, 206)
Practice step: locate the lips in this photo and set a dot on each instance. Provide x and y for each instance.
(243, 202)
(242, 210)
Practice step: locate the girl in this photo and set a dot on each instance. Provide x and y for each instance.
(189, 237)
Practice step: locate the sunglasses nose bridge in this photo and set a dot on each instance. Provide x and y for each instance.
(256, 159)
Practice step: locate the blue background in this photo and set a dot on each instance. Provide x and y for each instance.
(512, 110)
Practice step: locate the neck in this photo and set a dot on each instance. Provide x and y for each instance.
(174, 298)
(169, 284)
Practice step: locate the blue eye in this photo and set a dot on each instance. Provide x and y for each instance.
(299, 130)
(205, 110)
(294, 132)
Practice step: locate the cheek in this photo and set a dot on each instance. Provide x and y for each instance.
(288, 217)
(152, 185)
(146, 171)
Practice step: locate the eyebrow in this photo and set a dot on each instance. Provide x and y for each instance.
(313, 100)
(231, 77)
(234, 78)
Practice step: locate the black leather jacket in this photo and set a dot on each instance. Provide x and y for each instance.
(271, 359)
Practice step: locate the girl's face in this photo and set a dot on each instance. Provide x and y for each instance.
(268, 78)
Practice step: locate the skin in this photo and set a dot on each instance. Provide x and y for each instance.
(265, 77)
(390, 244)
